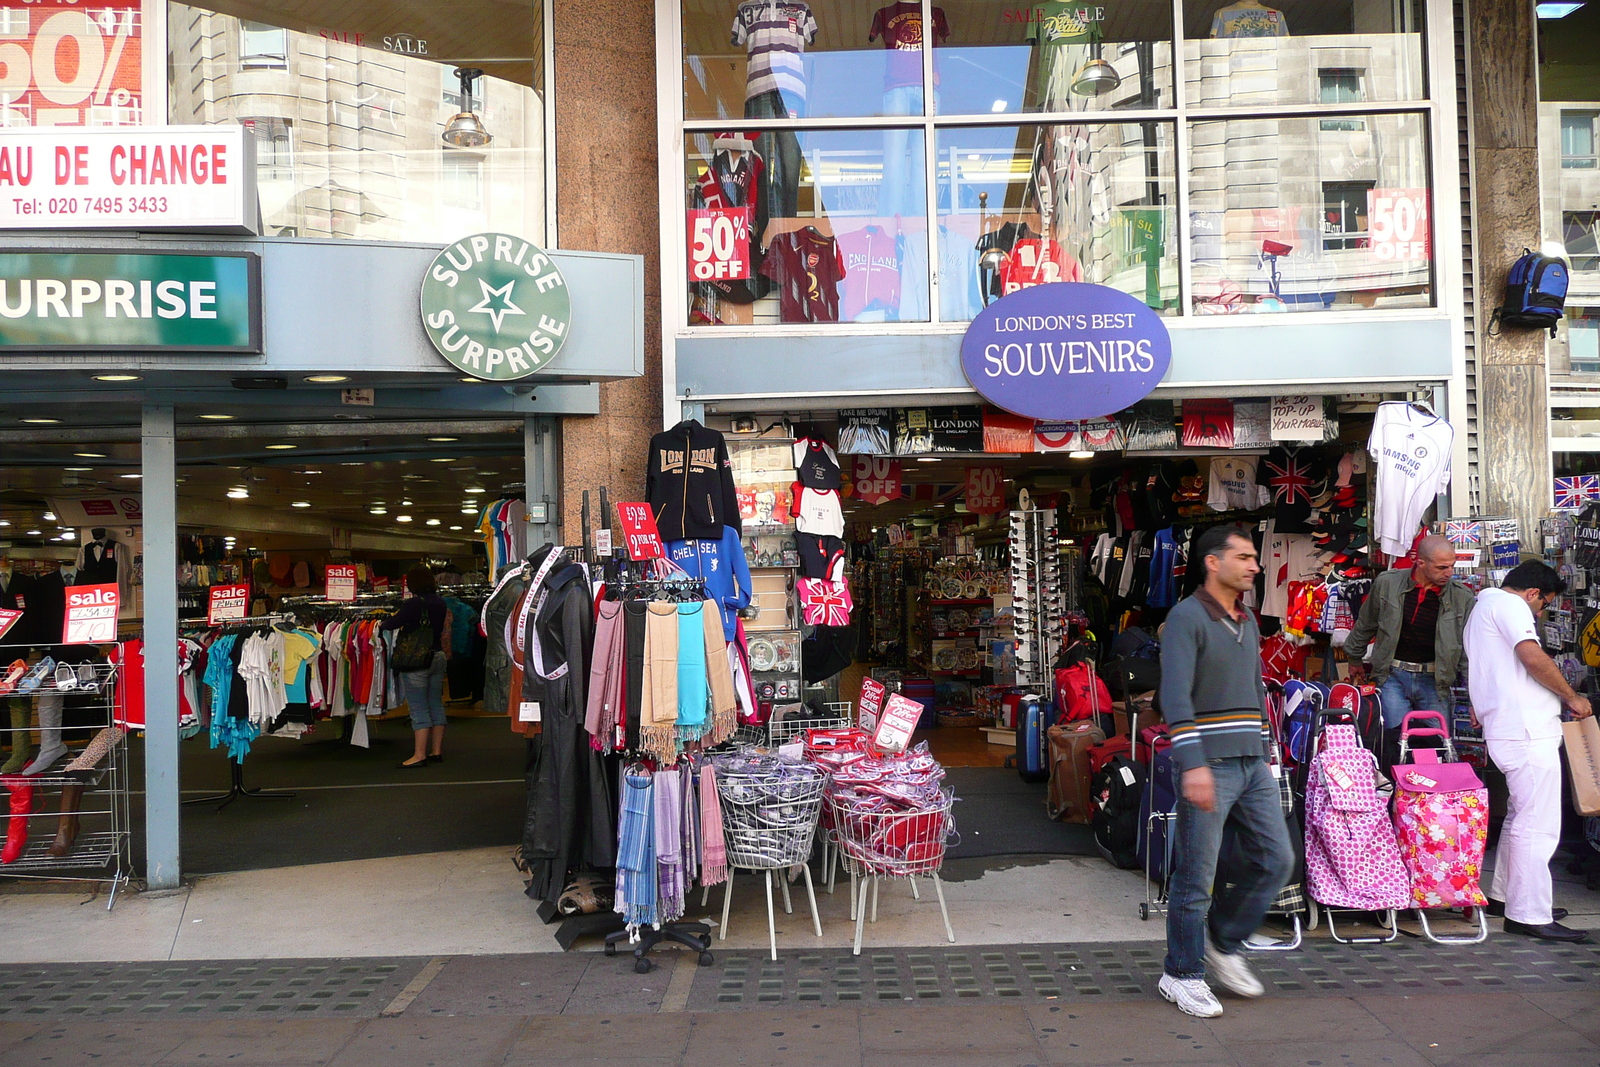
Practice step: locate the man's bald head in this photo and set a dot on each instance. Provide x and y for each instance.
(1437, 548)
(1436, 558)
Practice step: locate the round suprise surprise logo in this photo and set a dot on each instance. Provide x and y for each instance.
(495, 306)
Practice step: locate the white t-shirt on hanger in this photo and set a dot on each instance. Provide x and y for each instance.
(1411, 452)
(817, 511)
(1233, 484)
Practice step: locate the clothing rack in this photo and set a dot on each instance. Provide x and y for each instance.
(236, 786)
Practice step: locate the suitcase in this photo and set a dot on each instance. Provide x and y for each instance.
(1033, 753)
(1158, 801)
(1069, 798)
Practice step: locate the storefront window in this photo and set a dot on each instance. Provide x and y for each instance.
(1287, 215)
(1569, 175)
(349, 118)
(1025, 205)
(807, 226)
(1057, 55)
(1249, 54)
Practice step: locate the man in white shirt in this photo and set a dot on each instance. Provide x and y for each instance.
(1517, 695)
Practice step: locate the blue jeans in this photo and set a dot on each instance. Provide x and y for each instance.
(1405, 691)
(425, 694)
(1248, 800)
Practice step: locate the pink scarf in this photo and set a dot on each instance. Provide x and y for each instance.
(714, 861)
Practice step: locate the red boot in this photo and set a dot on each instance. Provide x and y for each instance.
(17, 825)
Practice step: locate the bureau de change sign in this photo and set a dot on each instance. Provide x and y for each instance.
(1066, 350)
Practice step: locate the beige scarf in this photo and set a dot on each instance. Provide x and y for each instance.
(658, 717)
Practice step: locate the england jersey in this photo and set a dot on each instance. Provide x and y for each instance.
(1411, 452)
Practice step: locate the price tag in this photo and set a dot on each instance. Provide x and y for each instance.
(91, 614)
(602, 542)
(341, 581)
(870, 703)
(719, 243)
(8, 618)
(639, 531)
(897, 723)
(528, 711)
(227, 602)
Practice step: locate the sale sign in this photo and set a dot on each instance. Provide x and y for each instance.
(227, 602)
(876, 479)
(639, 533)
(986, 490)
(1397, 224)
(91, 614)
(897, 723)
(870, 703)
(8, 619)
(68, 64)
(719, 244)
(341, 581)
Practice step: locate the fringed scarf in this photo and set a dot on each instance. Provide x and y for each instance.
(636, 853)
(713, 847)
(669, 844)
(658, 719)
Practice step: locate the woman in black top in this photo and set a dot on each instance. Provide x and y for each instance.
(424, 688)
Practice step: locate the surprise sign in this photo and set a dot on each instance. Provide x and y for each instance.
(876, 479)
(227, 602)
(870, 703)
(986, 490)
(639, 532)
(719, 243)
(1397, 224)
(341, 581)
(896, 724)
(91, 614)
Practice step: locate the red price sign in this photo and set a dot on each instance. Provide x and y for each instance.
(897, 723)
(91, 614)
(341, 581)
(877, 480)
(638, 524)
(871, 703)
(8, 618)
(1397, 224)
(227, 602)
(986, 490)
(719, 244)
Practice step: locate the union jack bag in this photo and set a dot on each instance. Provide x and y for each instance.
(824, 603)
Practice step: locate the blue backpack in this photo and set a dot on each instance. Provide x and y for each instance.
(1536, 292)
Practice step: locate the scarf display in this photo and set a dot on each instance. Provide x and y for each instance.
(636, 852)
(672, 884)
(714, 849)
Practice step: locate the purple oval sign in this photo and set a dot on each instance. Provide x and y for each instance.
(1066, 350)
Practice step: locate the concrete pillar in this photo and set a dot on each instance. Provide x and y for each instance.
(606, 182)
(541, 463)
(158, 464)
(1513, 401)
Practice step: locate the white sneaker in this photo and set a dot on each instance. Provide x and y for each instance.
(1232, 972)
(1191, 995)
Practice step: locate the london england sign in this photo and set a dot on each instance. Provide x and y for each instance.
(495, 306)
(1066, 350)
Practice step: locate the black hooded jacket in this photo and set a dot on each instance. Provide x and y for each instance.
(689, 483)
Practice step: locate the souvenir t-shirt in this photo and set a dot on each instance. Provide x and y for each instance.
(775, 34)
(808, 268)
(1411, 450)
(816, 511)
(871, 275)
(1233, 484)
(821, 556)
(1056, 27)
(1510, 704)
(1037, 261)
(900, 26)
(1294, 476)
(1248, 19)
(1163, 575)
(815, 464)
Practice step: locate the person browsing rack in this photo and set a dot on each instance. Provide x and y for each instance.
(425, 687)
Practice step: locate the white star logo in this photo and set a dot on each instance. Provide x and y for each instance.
(497, 315)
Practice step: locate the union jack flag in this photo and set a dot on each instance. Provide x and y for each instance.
(1576, 490)
(1463, 531)
(1292, 481)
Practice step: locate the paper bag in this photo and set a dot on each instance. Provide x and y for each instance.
(1583, 762)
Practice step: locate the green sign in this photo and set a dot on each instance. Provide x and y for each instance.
(495, 306)
(74, 301)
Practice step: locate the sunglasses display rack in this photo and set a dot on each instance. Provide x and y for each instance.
(1036, 594)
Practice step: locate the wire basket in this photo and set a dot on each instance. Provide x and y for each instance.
(893, 843)
(769, 818)
(783, 731)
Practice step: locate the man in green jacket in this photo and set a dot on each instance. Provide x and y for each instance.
(1413, 620)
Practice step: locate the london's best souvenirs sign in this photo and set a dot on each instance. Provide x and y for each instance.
(495, 306)
(1066, 350)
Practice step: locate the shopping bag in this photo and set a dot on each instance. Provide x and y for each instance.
(1583, 763)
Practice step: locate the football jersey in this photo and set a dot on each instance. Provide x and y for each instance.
(816, 465)
(1163, 571)
(1248, 19)
(900, 26)
(1233, 484)
(808, 268)
(1293, 476)
(1411, 452)
(1037, 261)
(775, 34)
(871, 258)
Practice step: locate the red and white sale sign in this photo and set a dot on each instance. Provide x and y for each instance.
(986, 490)
(8, 619)
(227, 602)
(638, 524)
(719, 244)
(897, 723)
(341, 581)
(1397, 224)
(876, 480)
(72, 65)
(91, 614)
(871, 703)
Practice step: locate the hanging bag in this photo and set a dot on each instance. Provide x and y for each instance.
(413, 649)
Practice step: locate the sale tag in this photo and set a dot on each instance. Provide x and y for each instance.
(897, 723)
(986, 490)
(341, 581)
(227, 602)
(106, 86)
(870, 703)
(8, 618)
(719, 244)
(91, 614)
(876, 479)
(639, 531)
(1397, 224)
(528, 711)
(602, 542)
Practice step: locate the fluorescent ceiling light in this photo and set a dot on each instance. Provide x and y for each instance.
(1558, 9)
(433, 522)
(402, 518)
(281, 445)
(78, 470)
(455, 527)
(1080, 455)
(118, 377)
(927, 459)
(49, 516)
(301, 504)
(131, 477)
(475, 489)
(327, 379)
(41, 422)
(91, 455)
(444, 438)
(217, 417)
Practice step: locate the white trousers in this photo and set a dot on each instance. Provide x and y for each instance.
(1532, 829)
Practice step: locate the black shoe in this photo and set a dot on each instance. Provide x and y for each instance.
(438, 757)
(1497, 909)
(412, 766)
(1548, 932)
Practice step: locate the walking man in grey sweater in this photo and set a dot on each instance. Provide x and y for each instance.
(1215, 705)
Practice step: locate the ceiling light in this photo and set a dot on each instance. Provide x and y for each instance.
(402, 518)
(465, 129)
(131, 477)
(1080, 455)
(217, 417)
(1558, 9)
(455, 527)
(475, 489)
(91, 455)
(55, 538)
(5, 522)
(35, 533)
(442, 459)
(1095, 78)
(281, 445)
(378, 511)
(405, 503)
(310, 472)
(327, 379)
(41, 422)
(69, 535)
(238, 492)
(469, 511)
(444, 438)
(470, 380)
(301, 504)
(927, 459)
(118, 377)
(433, 522)
(78, 470)
(49, 516)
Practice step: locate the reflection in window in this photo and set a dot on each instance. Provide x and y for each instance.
(1578, 140)
(262, 46)
(1286, 216)
(806, 227)
(1583, 340)
(1026, 205)
(1341, 85)
(463, 180)
(1580, 232)
(274, 153)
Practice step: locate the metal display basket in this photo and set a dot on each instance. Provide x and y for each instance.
(783, 731)
(770, 810)
(891, 844)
